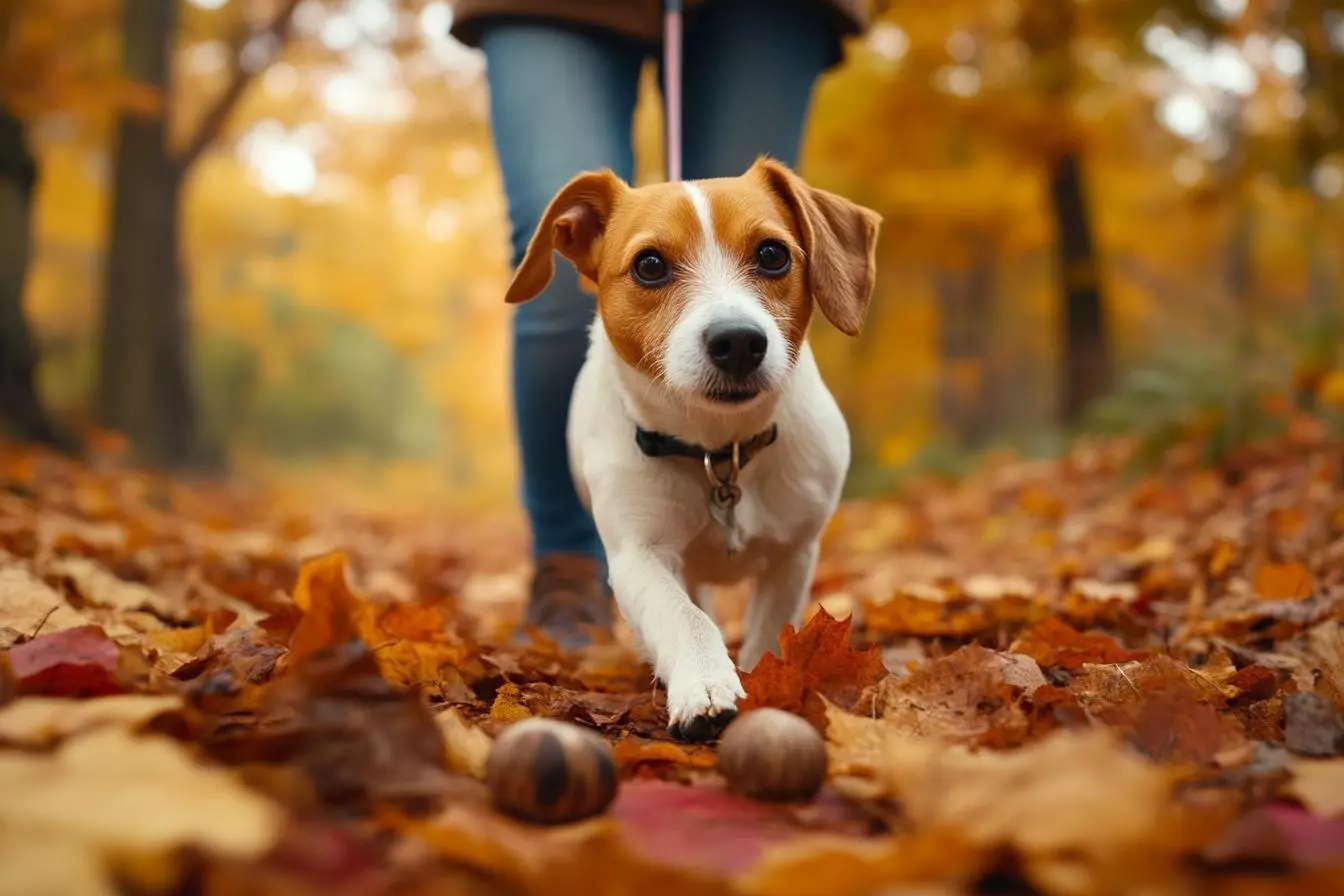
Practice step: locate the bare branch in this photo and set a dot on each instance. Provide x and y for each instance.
(214, 120)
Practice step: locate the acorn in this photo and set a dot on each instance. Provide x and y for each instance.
(768, 754)
(548, 772)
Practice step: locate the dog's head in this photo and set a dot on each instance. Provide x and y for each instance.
(708, 286)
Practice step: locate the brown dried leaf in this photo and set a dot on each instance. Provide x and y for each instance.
(960, 698)
(1054, 643)
(1165, 708)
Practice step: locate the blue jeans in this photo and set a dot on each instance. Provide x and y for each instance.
(562, 101)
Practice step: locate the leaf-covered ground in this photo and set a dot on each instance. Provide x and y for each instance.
(1049, 678)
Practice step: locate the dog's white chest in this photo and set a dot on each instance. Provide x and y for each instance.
(707, 558)
(776, 514)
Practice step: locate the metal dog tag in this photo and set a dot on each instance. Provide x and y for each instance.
(724, 494)
(722, 507)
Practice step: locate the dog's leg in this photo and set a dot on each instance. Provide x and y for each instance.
(703, 595)
(684, 643)
(780, 597)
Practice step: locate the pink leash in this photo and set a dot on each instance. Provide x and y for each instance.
(672, 85)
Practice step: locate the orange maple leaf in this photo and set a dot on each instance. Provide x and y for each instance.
(1054, 643)
(818, 662)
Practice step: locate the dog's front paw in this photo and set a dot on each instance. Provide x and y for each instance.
(700, 701)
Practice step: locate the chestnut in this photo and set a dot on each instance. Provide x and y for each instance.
(549, 772)
(770, 754)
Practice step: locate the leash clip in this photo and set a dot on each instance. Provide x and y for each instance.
(724, 490)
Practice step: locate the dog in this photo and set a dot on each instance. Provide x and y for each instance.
(701, 435)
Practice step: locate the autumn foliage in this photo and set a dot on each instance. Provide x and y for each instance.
(1040, 680)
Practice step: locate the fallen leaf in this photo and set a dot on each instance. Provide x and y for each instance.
(928, 864)
(412, 642)
(960, 698)
(99, 587)
(1282, 836)
(356, 737)
(1022, 672)
(1325, 652)
(1054, 643)
(74, 662)
(40, 721)
(1283, 581)
(31, 607)
(1312, 726)
(634, 751)
(179, 649)
(467, 746)
(1162, 706)
(328, 604)
(509, 705)
(36, 863)
(129, 801)
(707, 828)
(818, 661)
(1318, 784)
(855, 744)
(1253, 682)
(521, 859)
(1073, 799)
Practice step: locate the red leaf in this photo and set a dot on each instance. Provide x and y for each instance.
(818, 660)
(1281, 833)
(76, 662)
(710, 828)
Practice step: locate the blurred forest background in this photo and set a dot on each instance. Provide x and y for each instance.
(270, 236)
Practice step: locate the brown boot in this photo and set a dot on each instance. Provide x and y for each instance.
(569, 596)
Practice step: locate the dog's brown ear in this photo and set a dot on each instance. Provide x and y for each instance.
(573, 226)
(840, 239)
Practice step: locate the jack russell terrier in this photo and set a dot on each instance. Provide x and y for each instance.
(701, 435)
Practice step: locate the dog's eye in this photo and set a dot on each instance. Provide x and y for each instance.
(650, 268)
(772, 258)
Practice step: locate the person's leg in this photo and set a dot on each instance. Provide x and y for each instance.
(561, 101)
(748, 74)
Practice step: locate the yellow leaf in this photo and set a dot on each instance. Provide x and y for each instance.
(30, 607)
(1318, 784)
(467, 746)
(128, 802)
(38, 721)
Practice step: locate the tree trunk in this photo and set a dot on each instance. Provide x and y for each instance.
(965, 303)
(21, 413)
(1086, 359)
(1323, 87)
(145, 375)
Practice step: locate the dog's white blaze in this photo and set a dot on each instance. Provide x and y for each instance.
(721, 293)
(700, 202)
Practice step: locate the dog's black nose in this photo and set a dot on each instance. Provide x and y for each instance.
(736, 349)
